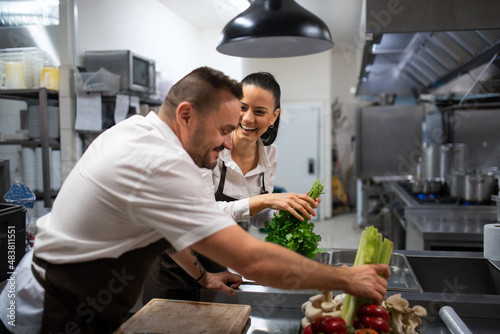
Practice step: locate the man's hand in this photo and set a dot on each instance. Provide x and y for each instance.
(224, 281)
(368, 281)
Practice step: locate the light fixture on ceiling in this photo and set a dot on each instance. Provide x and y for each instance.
(29, 12)
(274, 29)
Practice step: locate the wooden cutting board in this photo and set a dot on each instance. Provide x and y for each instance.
(176, 316)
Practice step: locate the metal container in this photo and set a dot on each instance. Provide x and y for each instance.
(453, 157)
(472, 187)
(402, 276)
(456, 184)
(496, 199)
(431, 157)
(426, 186)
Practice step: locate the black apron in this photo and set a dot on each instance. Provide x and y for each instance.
(94, 296)
(168, 280)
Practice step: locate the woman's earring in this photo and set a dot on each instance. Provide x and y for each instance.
(271, 126)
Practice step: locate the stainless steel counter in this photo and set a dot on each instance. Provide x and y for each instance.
(429, 228)
(278, 311)
(430, 225)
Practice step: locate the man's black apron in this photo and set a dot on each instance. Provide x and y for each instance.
(168, 280)
(94, 296)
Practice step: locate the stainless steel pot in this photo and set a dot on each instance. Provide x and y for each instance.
(472, 187)
(430, 163)
(453, 157)
(426, 186)
(456, 184)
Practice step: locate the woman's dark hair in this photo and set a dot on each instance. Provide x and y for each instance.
(267, 81)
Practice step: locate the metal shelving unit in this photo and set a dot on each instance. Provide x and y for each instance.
(40, 96)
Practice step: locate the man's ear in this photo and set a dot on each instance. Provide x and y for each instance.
(184, 113)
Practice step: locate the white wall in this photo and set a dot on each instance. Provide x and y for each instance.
(143, 26)
(150, 29)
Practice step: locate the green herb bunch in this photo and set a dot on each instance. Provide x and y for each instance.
(288, 231)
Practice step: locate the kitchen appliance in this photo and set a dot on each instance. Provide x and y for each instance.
(12, 237)
(137, 73)
(4, 178)
(425, 187)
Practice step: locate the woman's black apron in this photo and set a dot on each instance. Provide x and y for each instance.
(94, 296)
(168, 280)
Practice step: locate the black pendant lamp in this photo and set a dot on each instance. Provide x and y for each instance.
(274, 29)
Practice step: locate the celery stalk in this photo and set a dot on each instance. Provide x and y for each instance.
(372, 249)
(387, 247)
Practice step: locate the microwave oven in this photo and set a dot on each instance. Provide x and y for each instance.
(137, 73)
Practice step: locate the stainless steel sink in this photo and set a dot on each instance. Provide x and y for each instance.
(461, 275)
(469, 284)
(402, 276)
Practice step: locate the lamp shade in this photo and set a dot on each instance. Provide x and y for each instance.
(274, 29)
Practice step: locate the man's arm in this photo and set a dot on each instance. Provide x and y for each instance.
(223, 281)
(273, 265)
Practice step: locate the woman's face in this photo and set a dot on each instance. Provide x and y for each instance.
(257, 113)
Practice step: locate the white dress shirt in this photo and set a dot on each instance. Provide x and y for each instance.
(134, 185)
(242, 187)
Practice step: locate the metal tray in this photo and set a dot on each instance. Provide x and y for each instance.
(402, 276)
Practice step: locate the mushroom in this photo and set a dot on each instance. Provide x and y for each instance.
(304, 306)
(338, 301)
(316, 300)
(313, 313)
(411, 320)
(334, 314)
(328, 296)
(305, 322)
(396, 306)
(327, 306)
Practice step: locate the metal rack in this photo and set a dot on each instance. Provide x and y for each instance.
(40, 96)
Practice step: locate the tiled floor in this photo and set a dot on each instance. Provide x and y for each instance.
(341, 231)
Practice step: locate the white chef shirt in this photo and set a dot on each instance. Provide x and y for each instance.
(242, 187)
(134, 185)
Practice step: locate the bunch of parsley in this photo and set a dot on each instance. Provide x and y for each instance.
(288, 231)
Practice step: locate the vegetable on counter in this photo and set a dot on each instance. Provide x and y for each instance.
(394, 315)
(372, 249)
(326, 325)
(288, 231)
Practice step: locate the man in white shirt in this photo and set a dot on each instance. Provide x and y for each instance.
(138, 191)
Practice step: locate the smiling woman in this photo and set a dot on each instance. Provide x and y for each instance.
(242, 183)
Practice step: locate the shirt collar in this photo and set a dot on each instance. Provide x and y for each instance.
(264, 163)
(163, 127)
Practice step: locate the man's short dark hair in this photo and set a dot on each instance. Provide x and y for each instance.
(201, 88)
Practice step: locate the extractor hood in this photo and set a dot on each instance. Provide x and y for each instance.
(415, 47)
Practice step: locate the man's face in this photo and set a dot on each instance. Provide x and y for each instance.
(212, 133)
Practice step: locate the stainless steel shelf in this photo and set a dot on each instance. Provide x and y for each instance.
(42, 96)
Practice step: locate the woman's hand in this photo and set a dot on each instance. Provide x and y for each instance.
(294, 203)
(224, 281)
